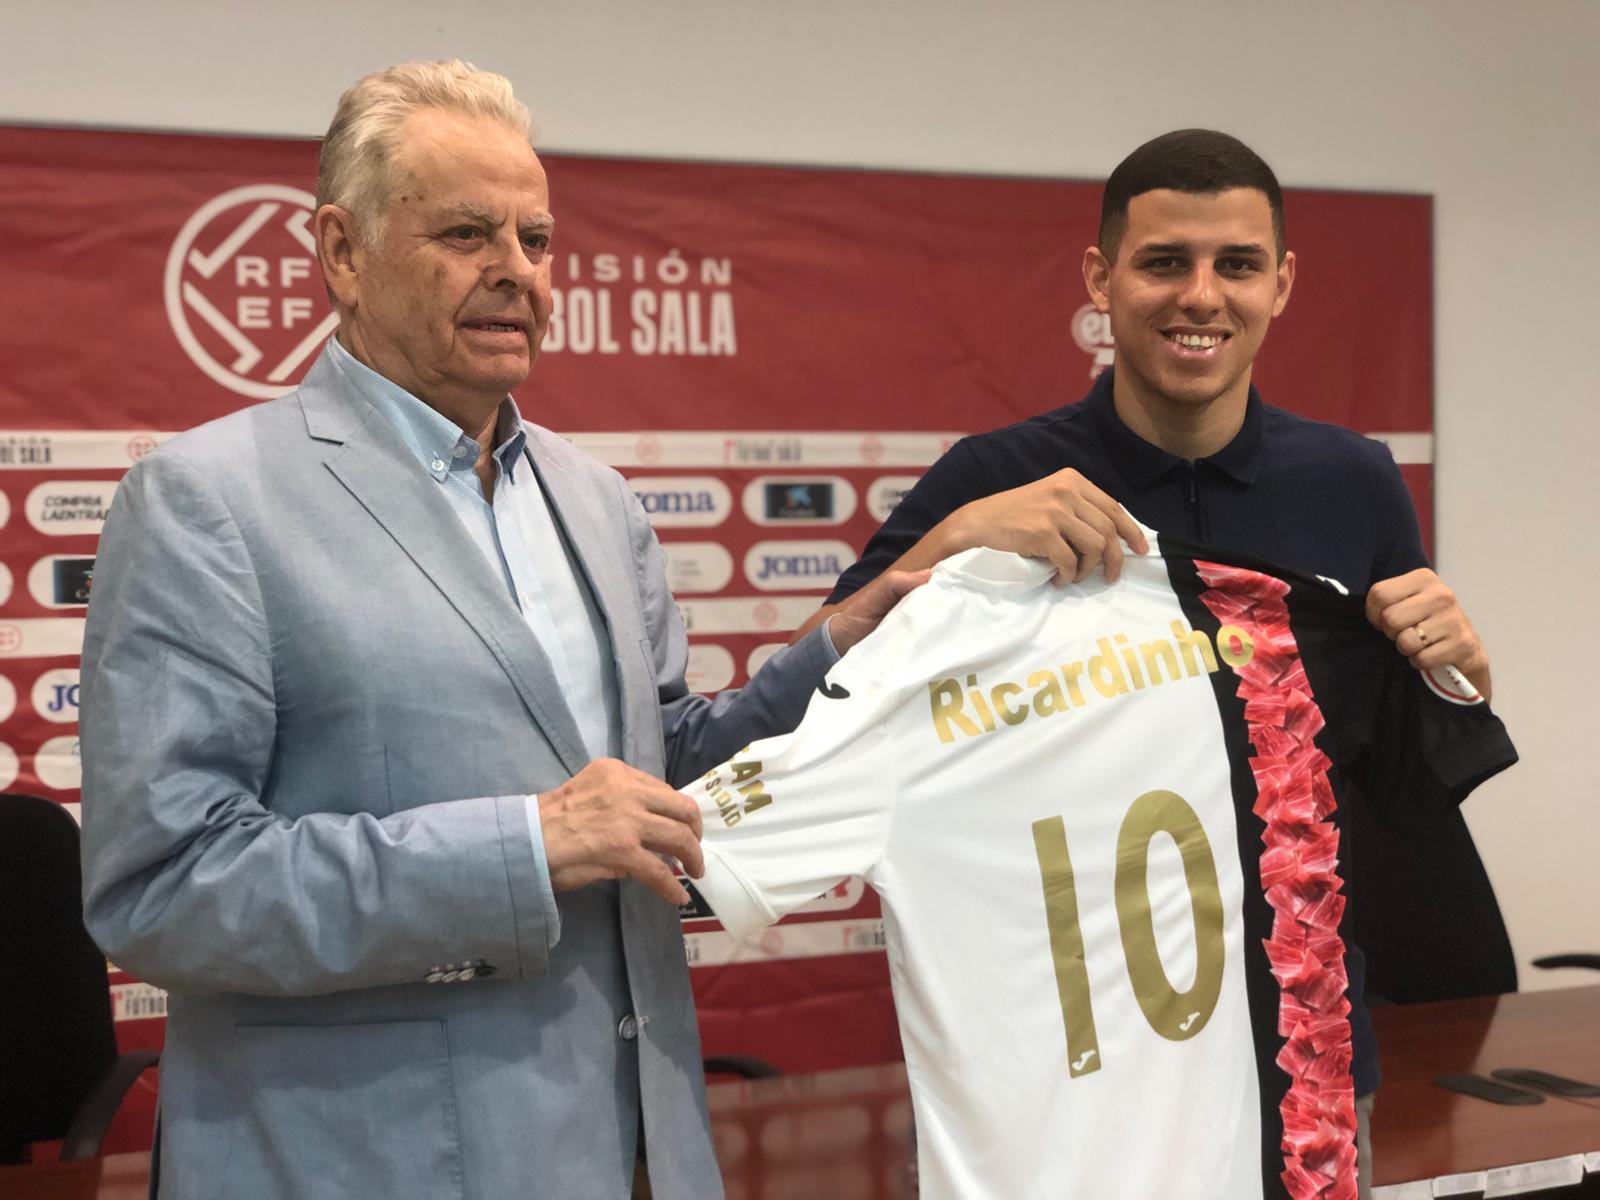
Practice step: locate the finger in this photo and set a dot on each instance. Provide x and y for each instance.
(672, 839)
(1086, 541)
(1410, 612)
(662, 801)
(658, 877)
(1387, 592)
(1060, 555)
(1124, 526)
(1111, 544)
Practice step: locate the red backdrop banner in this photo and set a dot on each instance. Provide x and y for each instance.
(771, 355)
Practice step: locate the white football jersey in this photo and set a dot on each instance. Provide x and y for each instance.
(1100, 821)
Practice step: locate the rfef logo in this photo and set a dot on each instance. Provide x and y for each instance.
(243, 292)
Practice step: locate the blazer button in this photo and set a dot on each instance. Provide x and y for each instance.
(628, 1028)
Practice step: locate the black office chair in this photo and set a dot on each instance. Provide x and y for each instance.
(60, 1073)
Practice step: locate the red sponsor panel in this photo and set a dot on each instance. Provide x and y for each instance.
(770, 355)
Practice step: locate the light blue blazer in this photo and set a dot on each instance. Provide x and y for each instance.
(310, 713)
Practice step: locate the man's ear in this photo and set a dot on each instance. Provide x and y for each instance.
(341, 254)
(1097, 278)
(1285, 283)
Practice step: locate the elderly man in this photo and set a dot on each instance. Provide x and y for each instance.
(380, 685)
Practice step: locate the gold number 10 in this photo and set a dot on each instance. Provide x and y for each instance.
(1173, 1014)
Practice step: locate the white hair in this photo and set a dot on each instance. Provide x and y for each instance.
(355, 169)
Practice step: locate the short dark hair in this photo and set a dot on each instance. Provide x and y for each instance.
(1201, 162)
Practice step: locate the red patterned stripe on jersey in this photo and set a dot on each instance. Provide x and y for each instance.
(1300, 872)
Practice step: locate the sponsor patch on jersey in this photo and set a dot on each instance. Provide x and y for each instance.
(1450, 684)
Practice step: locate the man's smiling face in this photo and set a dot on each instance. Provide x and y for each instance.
(1194, 285)
(453, 296)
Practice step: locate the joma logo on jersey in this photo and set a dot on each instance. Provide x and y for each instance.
(745, 779)
(1118, 668)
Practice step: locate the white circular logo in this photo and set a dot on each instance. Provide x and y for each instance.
(8, 698)
(697, 567)
(8, 766)
(55, 695)
(57, 766)
(5, 583)
(758, 657)
(243, 292)
(710, 668)
(5, 510)
(1091, 329)
(68, 507)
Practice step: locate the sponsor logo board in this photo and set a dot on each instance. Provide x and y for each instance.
(746, 614)
(710, 668)
(793, 566)
(55, 695)
(62, 580)
(799, 500)
(758, 657)
(885, 493)
(697, 567)
(41, 637)
(683, 501)
(56, 764)
(63, 507)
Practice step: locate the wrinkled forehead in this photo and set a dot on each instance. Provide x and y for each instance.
(445, 160)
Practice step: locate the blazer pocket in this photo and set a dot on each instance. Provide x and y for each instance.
(343, 1110)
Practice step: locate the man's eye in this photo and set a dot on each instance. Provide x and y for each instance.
(464, 233)
(536, 241)
(1238, 266)
(1160, 264)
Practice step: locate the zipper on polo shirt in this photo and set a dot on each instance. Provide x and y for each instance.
(1191, 499)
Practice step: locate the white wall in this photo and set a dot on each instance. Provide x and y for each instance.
(1493, 107)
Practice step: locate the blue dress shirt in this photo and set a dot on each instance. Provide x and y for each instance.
(519, 538)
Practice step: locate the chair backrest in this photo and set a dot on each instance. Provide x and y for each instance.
(56, 1035)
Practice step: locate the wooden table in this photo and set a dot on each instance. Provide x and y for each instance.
(846, 1135)
(1424, 1133)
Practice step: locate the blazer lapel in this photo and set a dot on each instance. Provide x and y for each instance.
(378, 470)
(586, 531)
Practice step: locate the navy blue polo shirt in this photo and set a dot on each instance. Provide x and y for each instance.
(1291, 491)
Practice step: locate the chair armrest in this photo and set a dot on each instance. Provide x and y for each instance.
(88, 1128)
(1592, 961)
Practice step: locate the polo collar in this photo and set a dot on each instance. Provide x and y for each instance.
(1142, 462)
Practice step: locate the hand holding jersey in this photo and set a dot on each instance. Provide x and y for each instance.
(1423, 618)
(1166, 916)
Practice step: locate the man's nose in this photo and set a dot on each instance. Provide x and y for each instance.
(512, 267)
(1200, 291)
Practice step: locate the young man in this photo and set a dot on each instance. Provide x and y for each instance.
(1191, 266)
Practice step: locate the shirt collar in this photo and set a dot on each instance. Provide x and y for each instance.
(436, 441)
(1142, 462)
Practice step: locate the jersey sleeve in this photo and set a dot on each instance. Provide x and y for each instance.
(789, 817)
(1416, 742)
